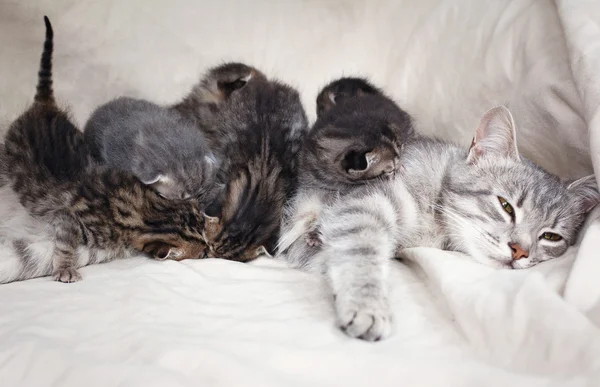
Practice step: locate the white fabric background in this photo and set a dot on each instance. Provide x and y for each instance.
(204, 323)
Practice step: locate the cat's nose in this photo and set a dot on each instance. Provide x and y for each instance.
(517, 251)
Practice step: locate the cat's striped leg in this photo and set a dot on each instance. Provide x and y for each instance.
(358, 244)
(67, 239)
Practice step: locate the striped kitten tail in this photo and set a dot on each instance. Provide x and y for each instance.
(44, 92)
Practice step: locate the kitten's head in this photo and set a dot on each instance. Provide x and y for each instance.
(501, 208)
(244, 222)
(341, 89)
(183, 181)
(166, 229)
(358, 136)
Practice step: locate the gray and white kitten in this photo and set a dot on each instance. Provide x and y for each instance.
(159, 146)
(488, 202)
(357, 138)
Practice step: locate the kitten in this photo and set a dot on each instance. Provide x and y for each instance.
(59, 210)
(488, 202)
(261, 125)
(164, 150)
(358, 137)
(207, 98)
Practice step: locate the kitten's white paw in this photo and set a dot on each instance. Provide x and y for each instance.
(66, 275)
(367, 319)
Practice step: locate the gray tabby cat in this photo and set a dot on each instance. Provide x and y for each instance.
(159, 146)
(488, 202)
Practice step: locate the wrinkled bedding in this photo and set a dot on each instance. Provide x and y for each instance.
(137, 322)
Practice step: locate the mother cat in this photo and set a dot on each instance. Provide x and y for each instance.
(487, 202)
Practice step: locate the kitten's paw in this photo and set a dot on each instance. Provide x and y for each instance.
(66, 275)
(369, 320)
(313, 239)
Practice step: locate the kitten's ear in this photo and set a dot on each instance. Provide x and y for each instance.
(161, 251)
(495, 135)
(150, 179)
(228, 86)
(210, 219)
(377, 162)
(325, 101)
(211, 226)
(261, 250)
(211, 161)
(586, 191)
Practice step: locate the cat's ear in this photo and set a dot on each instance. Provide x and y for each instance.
(211, 226)
(212, 161)
(495, 135)
(325, 101)
(261, 250)
(210, 220)
(367, 165)
(585, 190)
(228, 86)
(151, 179)
(161, 250)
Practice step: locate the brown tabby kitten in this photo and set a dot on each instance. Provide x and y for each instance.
(60, 211)
(208, 97)
(256, 126)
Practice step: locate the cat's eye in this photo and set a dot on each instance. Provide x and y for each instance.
(506, 205)
(550, 236)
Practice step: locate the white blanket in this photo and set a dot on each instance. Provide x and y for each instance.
(215, 323)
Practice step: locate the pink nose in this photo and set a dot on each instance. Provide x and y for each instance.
(517, 251)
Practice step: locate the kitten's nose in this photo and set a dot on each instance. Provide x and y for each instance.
(517, 251)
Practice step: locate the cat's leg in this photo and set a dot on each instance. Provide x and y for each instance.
(358, 236)
(67, 239)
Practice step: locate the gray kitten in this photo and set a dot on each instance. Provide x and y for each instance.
(488, 202)
(156, 144)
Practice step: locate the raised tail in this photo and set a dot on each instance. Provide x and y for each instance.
(44, 92)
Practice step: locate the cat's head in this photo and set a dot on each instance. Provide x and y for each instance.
(501, 208)
(357, 137)
(244, 221)
(184, 181)
(167, 229)
(340, 90)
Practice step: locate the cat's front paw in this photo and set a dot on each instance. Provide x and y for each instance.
(366, 319)
(66, 275)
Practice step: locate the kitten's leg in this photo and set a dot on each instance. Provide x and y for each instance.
(358, 238)
(64, 257)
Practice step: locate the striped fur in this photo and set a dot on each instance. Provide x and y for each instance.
(447, 197)
(257, 132)
(60, 211)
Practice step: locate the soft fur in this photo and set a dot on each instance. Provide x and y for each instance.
(159, 146)
(357, 138)
(60, 211)
(256, 126)
(447, 197)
